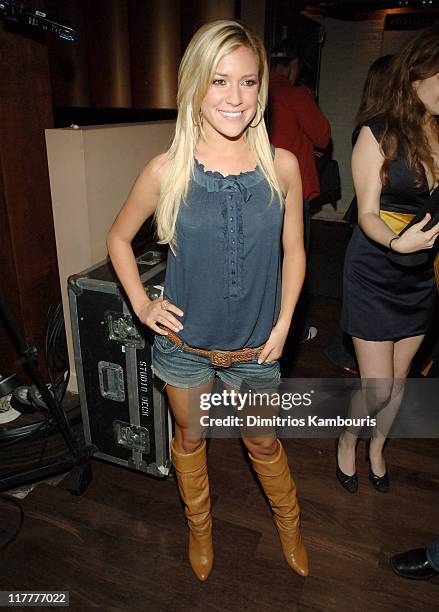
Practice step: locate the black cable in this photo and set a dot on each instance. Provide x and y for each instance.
(29, 353)
(57, 347)
(57, 359)
(58, 369)
(17, 531)
(28, 434)
(44, 447)
(32, 429)
(56, 353)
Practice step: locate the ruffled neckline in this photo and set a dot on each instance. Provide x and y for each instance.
(215, 181)
(218, 175)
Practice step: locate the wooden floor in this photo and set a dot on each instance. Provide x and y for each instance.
(122, 545)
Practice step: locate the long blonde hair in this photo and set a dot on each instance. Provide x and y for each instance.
(207, 47)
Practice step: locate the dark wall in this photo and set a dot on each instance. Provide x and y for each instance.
(28, 268)
(125, 59)
(127, 52)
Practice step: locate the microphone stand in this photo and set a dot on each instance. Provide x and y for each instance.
(78, 459)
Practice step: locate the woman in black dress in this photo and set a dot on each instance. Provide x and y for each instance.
(388, 308)
(341, 350)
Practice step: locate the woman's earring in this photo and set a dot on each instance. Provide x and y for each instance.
(262, 116)
(200, 117)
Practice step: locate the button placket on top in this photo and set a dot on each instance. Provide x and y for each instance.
(236, 194)
(232, 237)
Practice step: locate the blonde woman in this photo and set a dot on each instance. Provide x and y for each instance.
(226, 203)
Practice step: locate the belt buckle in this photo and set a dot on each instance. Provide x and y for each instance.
(221, 358)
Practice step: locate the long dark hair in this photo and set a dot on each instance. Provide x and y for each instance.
(374, 90)
(402, 110)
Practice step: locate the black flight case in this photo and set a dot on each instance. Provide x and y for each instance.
(124, 412)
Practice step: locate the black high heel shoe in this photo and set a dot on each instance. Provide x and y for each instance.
(349, 483)
(379, 483)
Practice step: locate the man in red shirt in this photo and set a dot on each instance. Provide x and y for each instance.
(297, 124)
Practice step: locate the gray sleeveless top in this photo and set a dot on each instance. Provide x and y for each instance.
(226, 274)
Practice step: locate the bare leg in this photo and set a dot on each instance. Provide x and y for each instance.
(404, 351)
(182, 403)
(375, 360)
(262, 447)
(427, 367)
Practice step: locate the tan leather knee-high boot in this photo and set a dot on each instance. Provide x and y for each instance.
(278, 484)
(193, 484)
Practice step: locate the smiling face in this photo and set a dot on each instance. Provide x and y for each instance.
(428, 93)
(231, 101)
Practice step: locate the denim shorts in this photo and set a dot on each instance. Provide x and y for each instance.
(181, 368)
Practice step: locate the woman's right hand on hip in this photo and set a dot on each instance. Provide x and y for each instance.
(157, 315)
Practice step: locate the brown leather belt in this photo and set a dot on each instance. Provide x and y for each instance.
(217, 357)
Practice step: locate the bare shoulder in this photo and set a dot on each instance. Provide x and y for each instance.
(145, 193)
(287, 168)
(366, 139)
(155, 170)
(366, 149)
